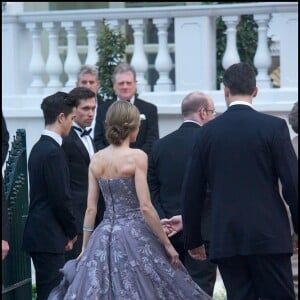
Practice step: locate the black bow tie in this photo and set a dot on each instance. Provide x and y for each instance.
(83, 132)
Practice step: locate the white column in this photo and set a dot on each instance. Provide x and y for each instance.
(91, 28)
(72, 62)
(37, 64)
(163, 61)
(289, 51)
(195, 48)
(54, 65)
(139, 59)
(262, 58)
(231, 55)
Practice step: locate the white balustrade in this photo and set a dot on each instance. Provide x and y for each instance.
(91, 28)
(54, 66)
(139, 59)
(72, 62)
(163, 61)
(262, 58)
(194, 46)
(113, 25)
(37, 64)
(231, 55)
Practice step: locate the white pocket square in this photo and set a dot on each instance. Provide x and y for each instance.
(142, 117)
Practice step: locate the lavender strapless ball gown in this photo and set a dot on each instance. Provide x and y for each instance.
(124, 260)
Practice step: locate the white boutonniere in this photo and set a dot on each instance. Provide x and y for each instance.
(142, 117)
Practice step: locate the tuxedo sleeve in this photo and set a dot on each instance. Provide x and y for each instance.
(154, 185)
(193, 196)
(99, 131)
(152, 133)
(5, 139)
(58, 185)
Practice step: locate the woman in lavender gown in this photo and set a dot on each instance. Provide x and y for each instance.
(128, 255)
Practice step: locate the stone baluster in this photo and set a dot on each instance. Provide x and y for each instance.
(37, 64)
(113, 24)
(262, 58)
(54, 66)
(163, 61)
(91, 28)
(139, 59)
(72, 62)
(231, 55)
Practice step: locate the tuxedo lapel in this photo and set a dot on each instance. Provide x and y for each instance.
(81, 147)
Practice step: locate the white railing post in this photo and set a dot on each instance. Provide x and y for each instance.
(37, 64)
(231, 55)
(262, 58)
(91, 28)
(195, 41)
(139, 59)
(54, 66)
(72, 62)
(289, 50)
(163, 61)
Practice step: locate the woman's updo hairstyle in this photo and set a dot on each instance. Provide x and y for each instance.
(122, 118)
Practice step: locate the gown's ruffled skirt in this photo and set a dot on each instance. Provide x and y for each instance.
(124, 259)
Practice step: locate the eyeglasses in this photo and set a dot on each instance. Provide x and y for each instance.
(213, 112)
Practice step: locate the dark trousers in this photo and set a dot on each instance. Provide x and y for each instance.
(204, 273)
(253, 277)
(47, 273)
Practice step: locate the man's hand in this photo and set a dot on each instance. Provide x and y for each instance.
(198, 253)
(5, 248)
(70, 243)
(173, 225)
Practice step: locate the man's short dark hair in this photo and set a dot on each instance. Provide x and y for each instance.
(56, 104)
(82, 93)
(240, 78)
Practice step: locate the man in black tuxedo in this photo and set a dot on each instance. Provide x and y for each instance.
(241, 155)
(79, 148)
(88, 77)
(50, 228)
(124, 84)
(167, 163)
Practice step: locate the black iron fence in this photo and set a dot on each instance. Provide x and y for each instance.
(16, 268)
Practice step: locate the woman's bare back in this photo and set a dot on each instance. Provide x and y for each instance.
(115, 162)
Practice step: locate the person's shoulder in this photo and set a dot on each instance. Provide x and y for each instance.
(69, 138)
(139, 154)
(270, 119)
(145, 103)
(99, 99)
(106, 103)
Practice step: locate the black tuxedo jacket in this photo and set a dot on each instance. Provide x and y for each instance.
(50, 218)
(167, 163)
(241, 155)
(78, 160)
(148, 129)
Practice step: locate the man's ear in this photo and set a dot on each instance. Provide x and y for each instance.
(255, 92)
(226, 91)
(60, 117)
